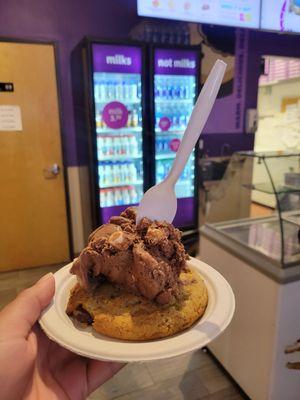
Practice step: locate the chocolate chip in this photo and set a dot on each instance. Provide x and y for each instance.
(82, 315)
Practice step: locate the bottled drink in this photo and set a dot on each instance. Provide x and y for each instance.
(107, 174)
(133, 144)
(129, 120)
(132, 172)
(133, 195)
(111, 90)
(115, 173)
(133, 90)
(117, 145)
(103, 198)
(109, 146)
(134, 118)
(126, 196)
(158, 90)
(101, 173)
(102, 91)
(119, 90)
(126, 145)
(100, 146)
(118, 197)
(139, 89)
(110, 201)
(125, 172)
(126, 90)
(182, 90)
(140, 118)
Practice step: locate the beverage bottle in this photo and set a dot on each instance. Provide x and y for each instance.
(181, 89)
(126, 197)
(139, 89)
(112, 90)
(133, 195)
(102, 198)
(122, 149)
(118, 149)
(132, 172)
(100, 146)
(126, 90)
(158, 89)
(140, 117)
(96, 92)
(101, 174)
(133, 146)
(118, 197)
(182, 119)
(104, 146)
(188, 93)
(102, 91)
(133, 94)
(119, 90)
(110, 201)
(110, 145)
(163, 90)
(126, 145)
(129, 120)
(116, 174)
(125, 172)
(106, 174)
(134, 118)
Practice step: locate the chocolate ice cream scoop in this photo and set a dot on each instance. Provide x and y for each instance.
(143, 259)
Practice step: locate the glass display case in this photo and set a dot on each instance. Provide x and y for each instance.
(272, 233)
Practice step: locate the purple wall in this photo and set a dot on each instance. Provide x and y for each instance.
(66, 21)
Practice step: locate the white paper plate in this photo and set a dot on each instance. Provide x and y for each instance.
(84, 341)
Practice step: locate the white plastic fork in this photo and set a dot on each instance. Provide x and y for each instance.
(160, 202)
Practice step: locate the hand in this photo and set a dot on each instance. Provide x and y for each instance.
(34, 367)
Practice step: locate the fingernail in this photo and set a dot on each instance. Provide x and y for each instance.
(45, 277)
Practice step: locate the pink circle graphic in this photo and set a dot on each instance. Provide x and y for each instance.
(164, 123)
(115, 115)
(174, 145)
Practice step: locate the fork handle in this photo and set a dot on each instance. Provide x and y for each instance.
(197, 120)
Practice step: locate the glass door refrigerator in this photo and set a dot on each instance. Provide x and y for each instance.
(174, 89)
(114, 86)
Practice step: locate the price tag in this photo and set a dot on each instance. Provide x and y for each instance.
(115, 115)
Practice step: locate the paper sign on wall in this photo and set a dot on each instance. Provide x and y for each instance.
(10, 118)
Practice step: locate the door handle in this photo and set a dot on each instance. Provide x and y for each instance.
(52, 171)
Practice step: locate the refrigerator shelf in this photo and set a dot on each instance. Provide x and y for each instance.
(165, 156)
(129, 129)
(161, 101)
(125, 101)
(170, 132)
(119, 158)
(119, 184)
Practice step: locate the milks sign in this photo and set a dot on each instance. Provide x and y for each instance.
(122, 59)
(175, 62)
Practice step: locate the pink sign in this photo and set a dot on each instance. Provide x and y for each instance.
(174, 145)
(164, 123)
(115, 115)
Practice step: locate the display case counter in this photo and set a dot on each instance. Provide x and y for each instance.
(260, 257)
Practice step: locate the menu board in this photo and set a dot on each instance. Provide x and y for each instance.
(240, 13)
(281, 15)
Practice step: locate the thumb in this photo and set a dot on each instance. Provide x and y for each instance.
(18, 317)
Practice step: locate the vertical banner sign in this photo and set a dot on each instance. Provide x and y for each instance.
(241, 57)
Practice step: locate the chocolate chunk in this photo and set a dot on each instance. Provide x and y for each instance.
(145, 259)
(83, 316)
